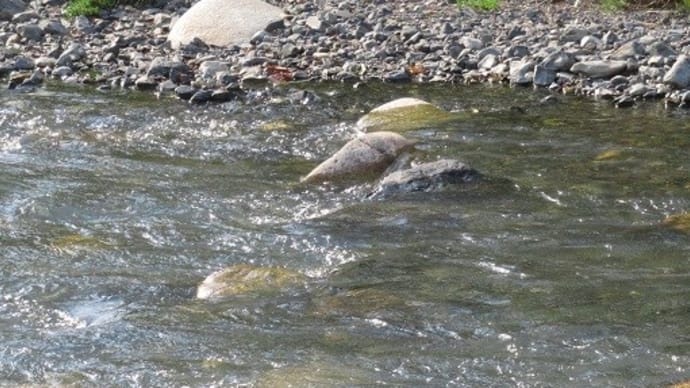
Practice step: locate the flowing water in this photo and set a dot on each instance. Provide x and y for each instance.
(554, 271)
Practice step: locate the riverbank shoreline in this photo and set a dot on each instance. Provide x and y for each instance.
(624, 57)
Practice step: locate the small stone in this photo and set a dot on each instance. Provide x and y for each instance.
(638, 90)
(573, 34)
(315, 23)
(521, 72)
(471, 43)
(558, 61)
(679, 74)
(53, 27)
(73, 54)
(24, 63)
(631, 49)
(184, 92)
(397, 76)
(145, 83)
(62, 72)
(543, 76)
(30, 31)
(200, 97)
(661, 49)
(599, 68)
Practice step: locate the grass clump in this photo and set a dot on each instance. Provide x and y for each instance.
(87, 7)
(618, 5)
(485, 5)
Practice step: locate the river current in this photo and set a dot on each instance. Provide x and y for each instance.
(554, 271)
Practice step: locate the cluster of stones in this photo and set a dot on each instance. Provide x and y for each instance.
(623, 57)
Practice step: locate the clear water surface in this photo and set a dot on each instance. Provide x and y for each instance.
(553, 272)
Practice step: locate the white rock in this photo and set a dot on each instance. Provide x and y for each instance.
(678, 75)
(223, 22)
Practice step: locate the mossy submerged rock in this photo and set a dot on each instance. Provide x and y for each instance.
(679, 222)
(403, 114)
(369, 154)
(244, 279)
(317, 373)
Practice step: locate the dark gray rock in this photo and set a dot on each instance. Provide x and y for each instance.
(9, 8)
(24, 63)
(661, 49)
(558, 61)
(425, 177)
(30, 31)
(201, 97)
(184, 92)
(543, 76)
(397, 76)
(73, 54)
(145, 83)
(679, 75)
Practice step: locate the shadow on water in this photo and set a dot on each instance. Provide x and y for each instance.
(555, 269)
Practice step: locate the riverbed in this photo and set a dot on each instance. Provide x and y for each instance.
(552, 271)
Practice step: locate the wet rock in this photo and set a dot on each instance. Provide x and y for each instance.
(599, 68)
(679, 74)
(401, 115)
(425, 177)
(9, 8)
(223, 23)
(24, 63)
(200, 96)
(364, 157)
(558, 61)
(679, 222)
(185, 92)
(244, 279)
(145, 83)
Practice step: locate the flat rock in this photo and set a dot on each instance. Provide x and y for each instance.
(244, 279)
(425, 177)
(403, 114)
(679, 74)
(367, 155)
(599, 68)
(223, 23)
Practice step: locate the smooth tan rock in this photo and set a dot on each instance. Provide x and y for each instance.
(223, 22)
(366, 156)
(244, 279)
(403, 114)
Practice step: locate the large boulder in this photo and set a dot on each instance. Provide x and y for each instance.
(403, 114)
(243, 279)
(425, 177)
(367, 155)
(9, 8)
(223, 22)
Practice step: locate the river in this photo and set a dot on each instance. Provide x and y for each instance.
(554, 271)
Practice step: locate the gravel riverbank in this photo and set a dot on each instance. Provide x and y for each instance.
(622, 57)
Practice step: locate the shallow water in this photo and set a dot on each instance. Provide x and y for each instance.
(554, 271)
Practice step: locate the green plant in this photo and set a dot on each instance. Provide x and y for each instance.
(613, 5)
(487, 5)
(87, 7)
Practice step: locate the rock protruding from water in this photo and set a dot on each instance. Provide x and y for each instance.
(243, 279)
(425, 177)
(678, 75)
(222, 22)
(367, 155)
(403, 114)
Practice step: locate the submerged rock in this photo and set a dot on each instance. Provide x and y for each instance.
(244, 279)
(425, 177)
(403, 114)
(367, 155)
(223, 23)
(679, 222)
